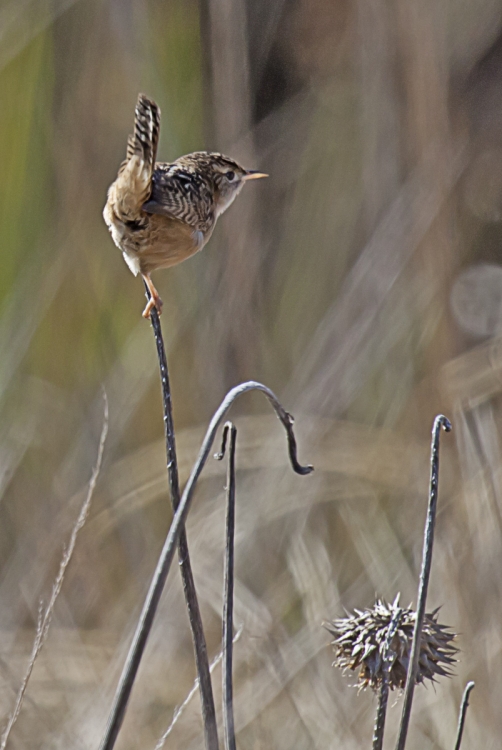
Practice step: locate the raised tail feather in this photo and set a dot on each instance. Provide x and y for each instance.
(134, 181)
(143, 142)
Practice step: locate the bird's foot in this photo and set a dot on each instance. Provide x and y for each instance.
(154, 301)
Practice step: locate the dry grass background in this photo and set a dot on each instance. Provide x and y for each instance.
(362, 283)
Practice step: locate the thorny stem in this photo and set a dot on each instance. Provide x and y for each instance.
(384, 688)
(228, 590)
(145, 622)
(194, 615)
(441, 422)
(463, 711)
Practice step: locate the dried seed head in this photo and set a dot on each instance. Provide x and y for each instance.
(360, 639)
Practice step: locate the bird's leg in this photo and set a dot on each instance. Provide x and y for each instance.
(154, 300)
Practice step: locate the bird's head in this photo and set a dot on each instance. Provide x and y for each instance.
(228, 178)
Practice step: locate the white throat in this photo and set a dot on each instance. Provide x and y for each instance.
(223, 204)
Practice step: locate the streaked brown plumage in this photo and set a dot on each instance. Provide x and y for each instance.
(159, 214)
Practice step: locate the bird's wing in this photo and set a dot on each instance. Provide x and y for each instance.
(181, 194)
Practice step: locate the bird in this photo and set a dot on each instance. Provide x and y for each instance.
(161, 213)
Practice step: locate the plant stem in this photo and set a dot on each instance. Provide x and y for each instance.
(228, 593)
(384, 688)
(194, 615)
(440, 422)
(463, 711)
(144, 626)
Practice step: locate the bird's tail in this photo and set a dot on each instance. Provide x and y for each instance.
(134, 181)
(143, 142)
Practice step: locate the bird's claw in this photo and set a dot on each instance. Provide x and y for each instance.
(152, 302)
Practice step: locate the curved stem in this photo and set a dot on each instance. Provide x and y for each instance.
(440, 422)
(189, 590)
(463, 711)
(144, 626)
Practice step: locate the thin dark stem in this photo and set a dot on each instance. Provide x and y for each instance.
(463, 711)
(440, 422)
(145, 622)
(383, 698)
(45, 614)
(228, 591)
(194, 615)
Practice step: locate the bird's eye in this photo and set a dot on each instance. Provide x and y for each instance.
(230, 175)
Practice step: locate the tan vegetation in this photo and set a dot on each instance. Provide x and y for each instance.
(360, 283)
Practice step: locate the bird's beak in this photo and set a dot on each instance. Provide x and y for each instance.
(251, 175)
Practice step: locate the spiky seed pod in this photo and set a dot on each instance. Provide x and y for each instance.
(360, 639)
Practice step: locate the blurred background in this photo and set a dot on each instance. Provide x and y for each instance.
(362, 282)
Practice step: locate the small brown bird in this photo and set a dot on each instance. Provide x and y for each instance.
(159, 214)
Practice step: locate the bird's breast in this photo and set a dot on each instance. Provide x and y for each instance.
(154, 240)
(167, 242)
